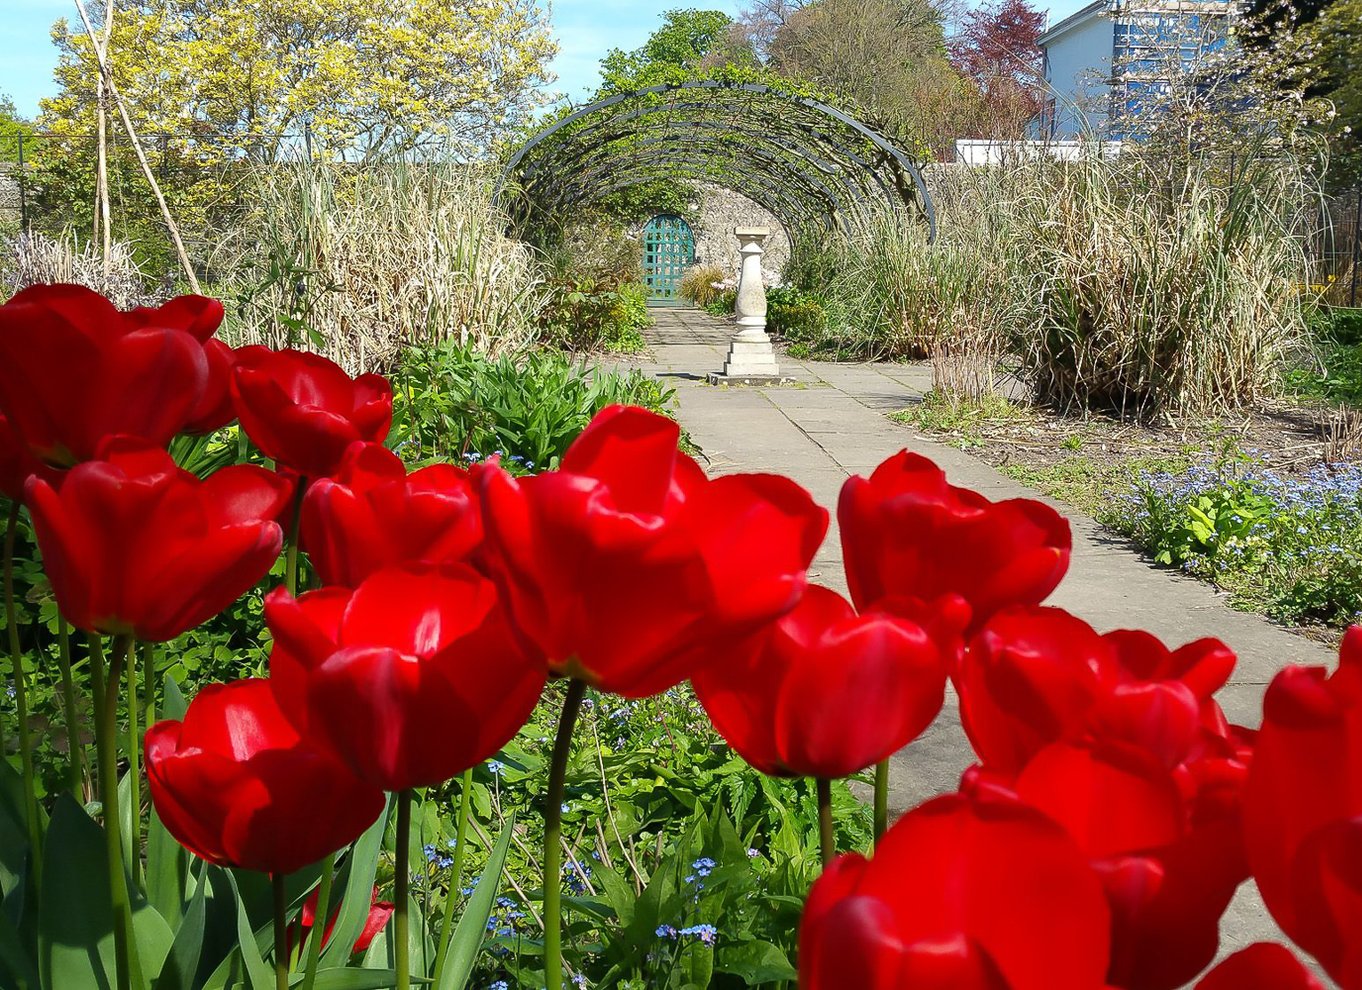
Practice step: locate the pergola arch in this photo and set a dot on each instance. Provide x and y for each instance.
(811, 165)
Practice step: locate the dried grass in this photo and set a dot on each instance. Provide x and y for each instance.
(359, 263)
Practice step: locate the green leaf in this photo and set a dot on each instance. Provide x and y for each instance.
(354, 979)
(261, 975)
(472, 926)
(754, 962)
(16, 967)
(183, 961)
(358, 892)
(167, 868)
(620, 893)
(13, 833)
(75, 922)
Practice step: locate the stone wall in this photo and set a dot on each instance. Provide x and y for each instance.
(713, 219)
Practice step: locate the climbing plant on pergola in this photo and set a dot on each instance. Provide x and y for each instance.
(810, 164)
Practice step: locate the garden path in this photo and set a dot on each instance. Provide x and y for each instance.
(832, 423)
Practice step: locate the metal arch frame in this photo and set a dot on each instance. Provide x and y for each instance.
(794, 205)
(773, 204)
(885, 147)
(553, 170)
(807, 184)
(821, 139)
(773, 197)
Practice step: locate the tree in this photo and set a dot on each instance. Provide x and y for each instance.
(363, 76)
(1334, 41)
(12, 127)
(1311, 51)
(886, 57)
(998, 49)
(688, 42)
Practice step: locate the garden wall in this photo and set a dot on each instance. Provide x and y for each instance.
(718, 212)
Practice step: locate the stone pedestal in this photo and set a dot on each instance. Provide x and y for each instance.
(751, 360)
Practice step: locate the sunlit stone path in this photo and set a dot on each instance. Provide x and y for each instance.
(832, 423)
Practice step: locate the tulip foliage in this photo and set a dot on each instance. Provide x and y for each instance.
(1110, 817)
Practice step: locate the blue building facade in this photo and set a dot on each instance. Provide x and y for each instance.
(1104, 63)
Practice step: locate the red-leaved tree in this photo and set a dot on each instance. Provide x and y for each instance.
(997, 49)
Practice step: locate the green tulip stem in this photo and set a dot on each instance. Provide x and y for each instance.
(16, 657)
(314, 945)
(881, 799)
(134, 773)
(291, 555)
(401, 928)
(826, 834)
(75, 748)
(455, 876)
(281, 930)
(553, 838)
(149, 683)
(106, 742)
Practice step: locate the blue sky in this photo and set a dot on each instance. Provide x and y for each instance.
(587, 29)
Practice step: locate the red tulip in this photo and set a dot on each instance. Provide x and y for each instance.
(627, 565)
(304, 411)
(17, 465)
(379, 914)
(410, 680)
(1120, 740)
(237, 786)
(373, 515)
(964, 893)
(200, 317)
(1170, 864)
(74, 370)
(1262, 966)
(1033, 676)
(1303, 810)
(824, 692)
(907, 533)
(133, 544)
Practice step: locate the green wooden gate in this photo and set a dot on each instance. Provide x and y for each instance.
(668, 250)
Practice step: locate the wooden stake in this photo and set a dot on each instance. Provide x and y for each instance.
(102, 168)
(102, 56)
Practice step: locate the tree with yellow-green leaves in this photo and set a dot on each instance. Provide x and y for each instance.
(361, 78)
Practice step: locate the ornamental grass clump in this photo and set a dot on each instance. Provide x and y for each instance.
(703, 284)
(1158, 293)
(360, 262)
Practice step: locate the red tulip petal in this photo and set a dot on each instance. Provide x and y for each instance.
(417, 610)
(1002, 878)
(1262, 966)
(198, 316)
(1112, 802)
(758, 534)
(634, 452)
(1028, 679)
(246, 493)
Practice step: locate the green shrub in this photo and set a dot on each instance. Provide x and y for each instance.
(585, 316)
(453, 403)
(795, 316)
(723, 303)
(1338, 325)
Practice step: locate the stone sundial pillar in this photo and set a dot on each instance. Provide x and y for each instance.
(750, 356)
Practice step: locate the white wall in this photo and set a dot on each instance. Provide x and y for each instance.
(1075, 62)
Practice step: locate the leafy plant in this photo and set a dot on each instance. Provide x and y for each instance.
(455, 403)
(1285, 546)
